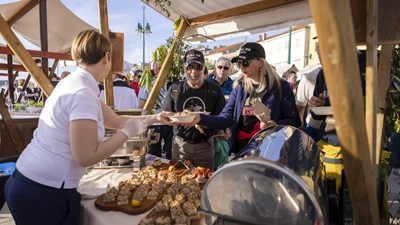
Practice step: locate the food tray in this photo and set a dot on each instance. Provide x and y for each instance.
(146, 204)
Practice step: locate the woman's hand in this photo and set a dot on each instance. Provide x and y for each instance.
(270, 123)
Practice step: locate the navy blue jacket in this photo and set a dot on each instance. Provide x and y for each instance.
(226, 85)
(283, 110)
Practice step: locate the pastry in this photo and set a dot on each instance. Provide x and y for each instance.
(157, 163)
(152, 195)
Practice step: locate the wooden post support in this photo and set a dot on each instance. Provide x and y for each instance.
(24, 57)
(162, 75)
(338, 52)
(385, 62)
(372, 79)
(108, 81)
(8, 122)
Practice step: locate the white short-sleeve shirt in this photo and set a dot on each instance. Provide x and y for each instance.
(48, 158)
(305, 90)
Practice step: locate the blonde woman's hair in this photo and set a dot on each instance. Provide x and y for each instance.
(268, 79)
(89, 47)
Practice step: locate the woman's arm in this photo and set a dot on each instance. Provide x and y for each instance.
(111, 119)
(85, 147)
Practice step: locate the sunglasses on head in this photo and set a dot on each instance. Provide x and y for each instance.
(245, 63)
(196, 67)
(225, 67)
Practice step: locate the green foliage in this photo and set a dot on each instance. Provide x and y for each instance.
(163, 4)
(392, 111)
(177, 22)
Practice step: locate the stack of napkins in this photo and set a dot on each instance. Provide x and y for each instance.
(262, 112)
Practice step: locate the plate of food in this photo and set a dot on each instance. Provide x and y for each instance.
(182, 118)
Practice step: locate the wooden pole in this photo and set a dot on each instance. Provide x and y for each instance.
(338, 52)
(162, 75)
(108, 81)
(11, 79)
(24, 57)
(372, 79)
(383, 86)
(44, 41)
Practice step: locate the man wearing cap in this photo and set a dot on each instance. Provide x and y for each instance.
(258, 83)
(124, 96)
(198, 95)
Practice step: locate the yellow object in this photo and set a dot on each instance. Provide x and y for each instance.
(332, 160)
(171, 168)
(136, 203)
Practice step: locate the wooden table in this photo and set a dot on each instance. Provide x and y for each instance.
(25, 123)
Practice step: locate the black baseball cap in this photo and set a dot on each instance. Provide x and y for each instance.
(249, 51)
(194, 56)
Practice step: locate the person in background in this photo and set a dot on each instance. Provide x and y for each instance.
(221, 76)
(206, 73)
(304, 92)
(165, 131)
(69, 137)
(258, 82)
(292, 80)
(65, 74)
(135, 81)
(124, 96)
(196, 95)
(19, 93)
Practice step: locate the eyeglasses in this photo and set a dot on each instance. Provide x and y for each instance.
(225, 67)
(196, 67)
(245, 63)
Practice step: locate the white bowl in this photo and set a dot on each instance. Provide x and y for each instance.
(183, 118)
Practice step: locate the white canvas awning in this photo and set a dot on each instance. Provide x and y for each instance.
(63, 25)
(264, 16)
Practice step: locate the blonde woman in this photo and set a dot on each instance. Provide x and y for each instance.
(258, 82)
(69, 138)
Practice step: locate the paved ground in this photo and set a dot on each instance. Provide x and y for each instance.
(5, 216)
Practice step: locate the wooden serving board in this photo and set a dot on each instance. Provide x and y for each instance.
(146, 204)
(129, 209)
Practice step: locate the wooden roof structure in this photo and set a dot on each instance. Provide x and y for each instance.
(341, 25)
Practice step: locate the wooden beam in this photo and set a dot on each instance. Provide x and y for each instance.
(41, 54)
(239, 11)
(338, 53)
(11, 78)
(163, 74)
(44, 42)
(108, 81)
(372, 79)
(15, 67)
(24, 57)
(28, 7)
(385, 62)
(54, 67)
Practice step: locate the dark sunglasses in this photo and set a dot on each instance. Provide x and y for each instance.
(196, 67)
(245, 63)
(225, 67)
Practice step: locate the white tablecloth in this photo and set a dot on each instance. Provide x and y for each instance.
(95, 183)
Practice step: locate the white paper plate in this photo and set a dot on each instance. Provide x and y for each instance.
(205, 113)
(183, 119)
(322, 111)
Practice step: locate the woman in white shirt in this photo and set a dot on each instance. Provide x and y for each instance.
(69, 138)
